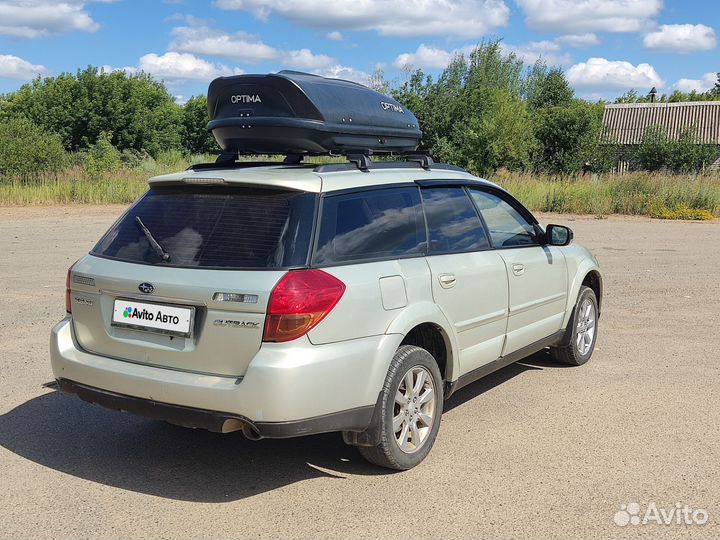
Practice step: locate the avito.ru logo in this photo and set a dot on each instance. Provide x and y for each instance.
(680, 514)
(145, 315)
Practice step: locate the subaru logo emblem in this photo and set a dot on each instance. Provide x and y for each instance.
(146, 288)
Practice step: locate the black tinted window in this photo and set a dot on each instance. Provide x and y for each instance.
(385, 223)
(507, 227)
(203, 226)
(453, 223)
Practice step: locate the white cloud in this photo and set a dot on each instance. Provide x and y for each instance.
(602, 74)
(13, 67)
(579, 16)
(427, 57)
(200, 39)
(305, 59)
(334, 36)
(37, 18)
(175, 67)
(579, 40)
(105, 68)
(205, 40)
(681, 38)
(338, 71)
(699, 85)
(531, 52)
(453, 18)
(424, 57)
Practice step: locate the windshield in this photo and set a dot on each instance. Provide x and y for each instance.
(214, 227)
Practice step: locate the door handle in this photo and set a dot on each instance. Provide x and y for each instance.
(447, 280)
(518, 269)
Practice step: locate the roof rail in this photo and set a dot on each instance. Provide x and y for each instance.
(355, 160)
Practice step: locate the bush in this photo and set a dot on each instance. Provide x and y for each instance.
(27, 150)
(689, 156)
(655, 150)
(196, 138)
(500, 137)
(566, 136)
(132, 159)
(102, 156)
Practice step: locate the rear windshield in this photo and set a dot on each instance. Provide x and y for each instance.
(214, 227)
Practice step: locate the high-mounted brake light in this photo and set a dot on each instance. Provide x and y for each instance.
(300, 300)
(203, 180)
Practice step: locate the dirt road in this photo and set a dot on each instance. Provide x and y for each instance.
(535, 450)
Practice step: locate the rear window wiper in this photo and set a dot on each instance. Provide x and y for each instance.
(164, 255)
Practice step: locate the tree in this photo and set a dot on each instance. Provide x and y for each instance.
(631, 96)
(715, 91)
(566, 136)
(473, 115)
(499, 137)
(547, 88)
(687, 155)
(27, 149)
(102, 156)
(196, 138)
(377, 81)
(654, 151)
(138, 111)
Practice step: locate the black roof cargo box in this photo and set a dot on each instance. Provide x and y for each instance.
(298, 113)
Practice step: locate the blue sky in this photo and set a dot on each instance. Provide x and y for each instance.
(605, 46)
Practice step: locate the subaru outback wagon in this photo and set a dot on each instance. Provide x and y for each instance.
(288, 300)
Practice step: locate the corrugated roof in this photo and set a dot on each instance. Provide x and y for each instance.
(626, 123)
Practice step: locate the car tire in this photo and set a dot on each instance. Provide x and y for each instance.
(579, 341)
(402, 423)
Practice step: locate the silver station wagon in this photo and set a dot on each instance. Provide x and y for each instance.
(292, 299)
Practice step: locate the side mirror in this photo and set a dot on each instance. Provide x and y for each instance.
(558, 235)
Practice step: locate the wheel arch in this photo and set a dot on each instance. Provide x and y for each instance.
(593, 279)
(588, 274)
(421, 325)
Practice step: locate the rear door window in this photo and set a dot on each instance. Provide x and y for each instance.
(215, 227)
(453, 223)
(371, 225)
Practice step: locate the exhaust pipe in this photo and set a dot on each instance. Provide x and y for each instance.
(235, 424)
(251, 432)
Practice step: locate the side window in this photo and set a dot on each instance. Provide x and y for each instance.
(377, 224)
(453, 223)
(507, 227)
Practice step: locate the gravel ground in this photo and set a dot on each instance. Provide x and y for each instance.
(534, 450)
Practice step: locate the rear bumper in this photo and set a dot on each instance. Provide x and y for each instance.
(288, 390)
(219, 422)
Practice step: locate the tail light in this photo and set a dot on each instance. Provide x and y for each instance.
(300, 300)
(68, 299)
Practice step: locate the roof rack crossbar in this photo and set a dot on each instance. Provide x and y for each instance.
(225, 158)
(423, 158)
(293, 159)
(362, 161)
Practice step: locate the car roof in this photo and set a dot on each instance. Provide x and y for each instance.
(307, 178)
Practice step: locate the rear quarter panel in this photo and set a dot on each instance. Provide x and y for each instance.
(361, 311)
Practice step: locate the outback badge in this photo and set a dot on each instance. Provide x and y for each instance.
(146, 288)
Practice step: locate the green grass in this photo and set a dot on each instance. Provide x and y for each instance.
(73, 186)
(657, 195)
